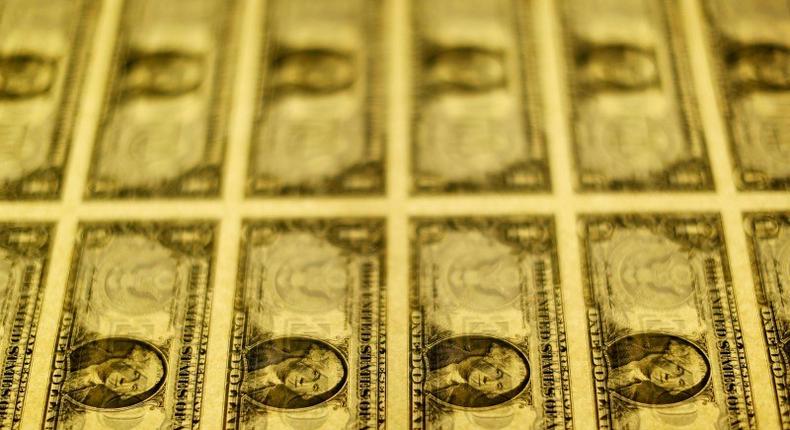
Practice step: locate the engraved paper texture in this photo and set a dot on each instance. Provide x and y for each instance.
(475, 124)
(308, 348)
(24, 250)
(633, 119)
(488, 346)
(665, 340)
(751, 52)
(769, 240)
(131, 346)
(163, 127)
(318, 127)
(43, 46)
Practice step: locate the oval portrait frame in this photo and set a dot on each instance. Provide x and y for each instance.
(705, 382)
(301, 338)
(160, 385)
(523, 386)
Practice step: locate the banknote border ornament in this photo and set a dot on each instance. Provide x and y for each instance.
(344, 233)
(203, 180)
(690, 174)
(32, 242)
(530, 174)
(697, 230)
(759, 226)
(194, 239)
(46, 182)
(524, 234)
(368, 176)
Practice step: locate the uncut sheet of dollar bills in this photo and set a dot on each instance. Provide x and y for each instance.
(394, 214)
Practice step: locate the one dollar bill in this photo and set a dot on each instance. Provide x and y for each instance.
(633, 118)
(131, 345)
(487, 343)
(769, 242)
(319, 120)
(751, 52)
(308, 348)
(163, 127)
(476, 123)
(665, 339)
(24, 252)
(43, 53)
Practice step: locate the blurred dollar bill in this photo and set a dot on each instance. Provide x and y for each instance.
(633, 117)
(163, 127)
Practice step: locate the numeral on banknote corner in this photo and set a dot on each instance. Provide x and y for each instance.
(309, 326)
(769, 245)
(751, 55)
(43, 53)
(163, 128)
(476, 124)
(487, 342)
(24, 254)
(664, 333)
(319, 124)
(633, 119)
(131, 346)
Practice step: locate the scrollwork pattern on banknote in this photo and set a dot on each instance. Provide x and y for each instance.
(43, 54)
(665, 339)
(24, 255)
(308, 346)
(769, 243)
(163, 128)
(487, 342)
(751, 55)
(633, 118)
(476, 124)
(319, 126)
(131, 346)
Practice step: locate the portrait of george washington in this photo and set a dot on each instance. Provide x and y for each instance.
(476, 371)
(656, 369)
(293, 373)
(114, 373)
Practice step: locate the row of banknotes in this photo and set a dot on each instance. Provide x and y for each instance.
(106, 314)
(487, 344)
(318, 126)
